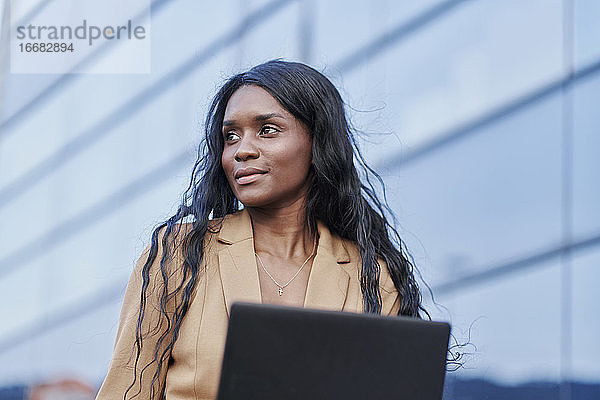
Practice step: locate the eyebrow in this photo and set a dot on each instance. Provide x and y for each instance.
(258, 118)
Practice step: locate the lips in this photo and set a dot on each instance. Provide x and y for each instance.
(248, 175)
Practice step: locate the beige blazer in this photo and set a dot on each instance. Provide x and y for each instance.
(230, 274)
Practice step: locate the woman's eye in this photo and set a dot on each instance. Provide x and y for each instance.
(230, 136)
(268, 130)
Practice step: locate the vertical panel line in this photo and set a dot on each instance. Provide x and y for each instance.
(566, 333)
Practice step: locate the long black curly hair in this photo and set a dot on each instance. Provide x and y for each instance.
(348, 205)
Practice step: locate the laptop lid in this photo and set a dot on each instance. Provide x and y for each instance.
(275, 352)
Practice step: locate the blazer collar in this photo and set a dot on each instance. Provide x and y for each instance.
(327, 283)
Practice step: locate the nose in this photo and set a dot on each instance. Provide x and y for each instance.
(246, 149)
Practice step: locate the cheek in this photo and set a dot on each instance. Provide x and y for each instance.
(295, 162)
(226, 161)
(302, 155)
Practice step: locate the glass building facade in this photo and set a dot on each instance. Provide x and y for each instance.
(482, 117)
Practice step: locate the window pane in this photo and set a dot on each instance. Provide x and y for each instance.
(486, 199)
(586, 163)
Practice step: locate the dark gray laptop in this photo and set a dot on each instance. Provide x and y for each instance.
(275, 352)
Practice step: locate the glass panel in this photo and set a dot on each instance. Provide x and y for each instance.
(586, 14)
(340, 29)
(586, 316)
(586, 163)
(514, 324)
(99, 253)
(277, 37)
(79, 349)
(462, 66)
(486, 199)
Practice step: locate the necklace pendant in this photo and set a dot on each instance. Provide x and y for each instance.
(280, 291)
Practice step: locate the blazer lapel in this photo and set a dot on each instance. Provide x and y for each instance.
(328, 282)
(237, 264)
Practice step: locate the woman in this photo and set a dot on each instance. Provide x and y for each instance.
(310, 234)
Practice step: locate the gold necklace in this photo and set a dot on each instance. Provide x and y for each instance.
(280, 290)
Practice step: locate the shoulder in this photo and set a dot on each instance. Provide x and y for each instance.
(219, 232)
(182, 233)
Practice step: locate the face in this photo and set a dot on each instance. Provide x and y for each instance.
(267, 151)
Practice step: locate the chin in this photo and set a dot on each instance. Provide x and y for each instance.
(259, 200)
(253, 201)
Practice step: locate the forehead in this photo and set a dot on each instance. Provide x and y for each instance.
(252, 100)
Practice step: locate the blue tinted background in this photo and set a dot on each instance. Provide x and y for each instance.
(482, 117)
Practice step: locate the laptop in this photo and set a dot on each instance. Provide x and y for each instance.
(276, 352)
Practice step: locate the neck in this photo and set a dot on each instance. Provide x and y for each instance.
(282, 232)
